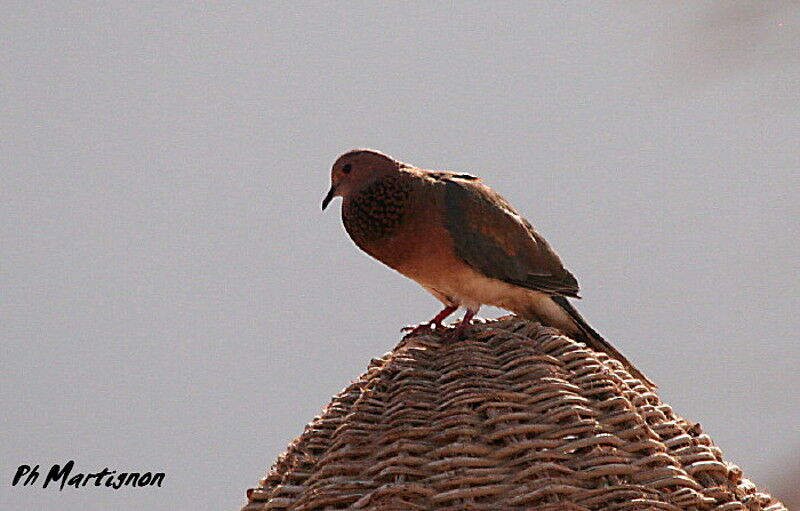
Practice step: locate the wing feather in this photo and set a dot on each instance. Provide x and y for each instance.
(493, 238)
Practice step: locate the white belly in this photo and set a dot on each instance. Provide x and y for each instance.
(470, 289)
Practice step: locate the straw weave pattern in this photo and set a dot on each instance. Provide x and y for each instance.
(516, 416)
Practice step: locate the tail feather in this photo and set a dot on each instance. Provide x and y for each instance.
(595, 341)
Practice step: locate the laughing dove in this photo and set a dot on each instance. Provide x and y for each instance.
(459, 240)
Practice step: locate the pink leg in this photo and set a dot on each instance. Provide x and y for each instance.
(458, 333)
(436, 322)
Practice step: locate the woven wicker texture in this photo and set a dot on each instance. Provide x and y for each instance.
(515, 417)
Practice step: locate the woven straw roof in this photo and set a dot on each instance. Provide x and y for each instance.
(515, 417)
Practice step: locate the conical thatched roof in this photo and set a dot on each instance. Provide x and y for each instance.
(515, 417)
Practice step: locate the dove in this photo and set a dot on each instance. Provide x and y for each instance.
(461, 241)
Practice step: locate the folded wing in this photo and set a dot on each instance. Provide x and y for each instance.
(494, 239)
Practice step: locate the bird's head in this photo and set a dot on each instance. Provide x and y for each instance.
(356, 169)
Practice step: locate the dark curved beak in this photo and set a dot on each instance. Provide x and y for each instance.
(328, 198)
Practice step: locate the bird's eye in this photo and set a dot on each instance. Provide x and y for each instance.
(347, 168)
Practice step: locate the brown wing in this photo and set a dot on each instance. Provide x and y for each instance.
(494, 239)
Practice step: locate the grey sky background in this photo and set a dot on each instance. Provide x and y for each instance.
(174, 300)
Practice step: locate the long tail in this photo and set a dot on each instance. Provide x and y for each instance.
(596, 342)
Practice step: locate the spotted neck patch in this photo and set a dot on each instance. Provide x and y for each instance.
(377, 211)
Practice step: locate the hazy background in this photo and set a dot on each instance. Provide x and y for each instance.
(172, 299)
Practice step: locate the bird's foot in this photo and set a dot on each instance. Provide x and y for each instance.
(428, 325)
(433, 324)
(415, 329)
(461, 331)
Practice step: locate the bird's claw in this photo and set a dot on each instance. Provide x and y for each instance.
(433, 324)
(415, 329)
